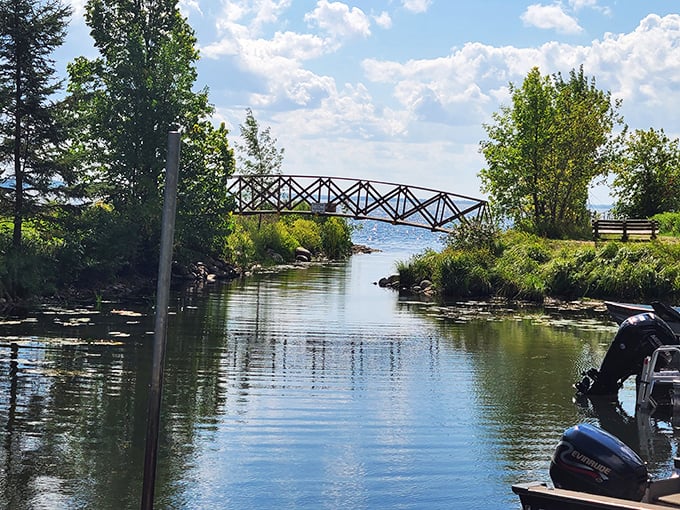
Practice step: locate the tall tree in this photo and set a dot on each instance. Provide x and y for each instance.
(545, 151)
(128, 98)
(258, 153)
(30, 127)
(647, 180)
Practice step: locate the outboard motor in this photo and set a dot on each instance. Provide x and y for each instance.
(589, 459)
(638, 337)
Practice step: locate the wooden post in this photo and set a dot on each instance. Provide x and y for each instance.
(161, 318)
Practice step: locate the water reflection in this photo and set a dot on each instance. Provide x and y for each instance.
(306, 389)
(654, 438)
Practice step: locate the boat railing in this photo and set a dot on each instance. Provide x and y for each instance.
(662, 367)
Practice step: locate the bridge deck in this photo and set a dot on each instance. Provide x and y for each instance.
(354, 198)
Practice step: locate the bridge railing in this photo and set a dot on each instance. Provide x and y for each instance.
(354, 198)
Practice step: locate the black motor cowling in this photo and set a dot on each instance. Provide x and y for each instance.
(637, 337)
(589, 459)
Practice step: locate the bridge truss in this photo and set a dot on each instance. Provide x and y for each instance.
(354, 198)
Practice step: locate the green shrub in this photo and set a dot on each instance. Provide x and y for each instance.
(336, 237)
(422, 266)
(609, 250)
(98, 244)
(525, 258)
(307, 233)
(669, 223)
(532, 287)
(28, 272)
(518, 272)
(275, 237)
(560, 277)
(240, 246)
(670, 275)
(584, 256)
(475, 234)
(461, 275)
(258, 237)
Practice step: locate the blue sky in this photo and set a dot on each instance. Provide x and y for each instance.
(398, 90)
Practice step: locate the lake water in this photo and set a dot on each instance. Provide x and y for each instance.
(304, 389)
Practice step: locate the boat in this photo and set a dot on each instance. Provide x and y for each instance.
(658, 385)
(660, 495)
(590, 467)
(593, 469)
(621, 311)
(631, 350)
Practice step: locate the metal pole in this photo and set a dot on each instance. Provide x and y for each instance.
(161, 318)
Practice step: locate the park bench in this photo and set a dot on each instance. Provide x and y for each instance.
(625, 229)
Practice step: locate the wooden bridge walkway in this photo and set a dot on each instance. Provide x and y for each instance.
(398, 204)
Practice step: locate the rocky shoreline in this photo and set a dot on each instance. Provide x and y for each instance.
(424, 288)
(205, 271)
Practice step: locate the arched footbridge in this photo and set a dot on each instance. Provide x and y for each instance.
(398, 204)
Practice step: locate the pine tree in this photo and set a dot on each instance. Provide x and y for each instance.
(31, 130)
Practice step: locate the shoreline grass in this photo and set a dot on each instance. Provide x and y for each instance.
(517, 265)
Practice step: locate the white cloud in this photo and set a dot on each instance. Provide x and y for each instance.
(457, 92)
(467, 86)
(78, 7)
(383, 20)
(339, 21)
(458, 89)
(578, 5)
(269, 11)
(642, 68)
(276, 64)
(416, 6)
(254, 14)
(550, 17)
(186, 6)
(254, 54)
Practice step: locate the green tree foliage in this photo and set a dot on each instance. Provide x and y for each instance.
(545, 151)
(31, 130)
(647, 180)
(207, 161)
(126, 100)
(258, 154)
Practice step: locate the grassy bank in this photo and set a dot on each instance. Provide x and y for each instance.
(517, 265)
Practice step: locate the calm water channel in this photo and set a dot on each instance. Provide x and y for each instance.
(306, 389)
